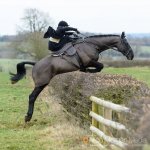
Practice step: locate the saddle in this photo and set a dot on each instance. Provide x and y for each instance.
(67, 50)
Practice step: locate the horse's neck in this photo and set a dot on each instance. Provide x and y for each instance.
(105, 42)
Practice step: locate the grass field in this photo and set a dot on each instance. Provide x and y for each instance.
(4, 45)
(145, 49)
(14, 134)
(49, 128)
(140, 73)
(7, 65)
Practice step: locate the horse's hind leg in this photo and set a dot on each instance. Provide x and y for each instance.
(97, 67)
(32, 98)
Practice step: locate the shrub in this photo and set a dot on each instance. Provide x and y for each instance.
(74, 90)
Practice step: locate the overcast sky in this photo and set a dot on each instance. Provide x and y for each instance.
(99, 16)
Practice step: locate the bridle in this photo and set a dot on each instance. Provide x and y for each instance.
(124, 42)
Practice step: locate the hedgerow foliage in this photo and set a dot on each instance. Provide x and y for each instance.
(74, 90)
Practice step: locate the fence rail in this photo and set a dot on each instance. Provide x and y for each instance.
(109, 105)
(106, 120)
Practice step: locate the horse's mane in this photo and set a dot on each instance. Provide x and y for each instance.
(103, 35)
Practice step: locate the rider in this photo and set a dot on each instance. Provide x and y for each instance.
(58, 38)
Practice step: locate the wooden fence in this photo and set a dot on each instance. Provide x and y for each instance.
(99, 121)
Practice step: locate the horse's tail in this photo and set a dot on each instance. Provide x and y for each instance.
(21, 71)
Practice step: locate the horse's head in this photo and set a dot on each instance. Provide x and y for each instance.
(124, 47)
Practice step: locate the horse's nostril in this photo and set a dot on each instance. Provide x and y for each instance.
(131, 56)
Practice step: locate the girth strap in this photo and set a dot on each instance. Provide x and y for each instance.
(82, 68)
(78, 62)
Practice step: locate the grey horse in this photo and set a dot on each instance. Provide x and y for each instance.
(86, 56)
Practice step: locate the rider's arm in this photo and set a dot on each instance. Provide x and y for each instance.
(69, 33)
(64, 29)
(48, 33)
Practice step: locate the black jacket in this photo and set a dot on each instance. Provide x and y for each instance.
(62, 33)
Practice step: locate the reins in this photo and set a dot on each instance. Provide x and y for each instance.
(84, 37)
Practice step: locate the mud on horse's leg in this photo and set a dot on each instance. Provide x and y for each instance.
(32, 98)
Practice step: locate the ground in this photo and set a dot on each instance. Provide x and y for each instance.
(140, 73)
(49, 129)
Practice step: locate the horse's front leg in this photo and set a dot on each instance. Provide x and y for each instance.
(97, 67)
(32, 99)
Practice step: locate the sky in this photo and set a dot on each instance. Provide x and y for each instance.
(98, 16)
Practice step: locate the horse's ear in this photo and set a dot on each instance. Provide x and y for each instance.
(123, 35)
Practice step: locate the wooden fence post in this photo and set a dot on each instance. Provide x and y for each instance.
(95, 109)
(107, 115)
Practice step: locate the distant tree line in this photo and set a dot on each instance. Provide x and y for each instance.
(143, 41)
(7, 38)
(33, 44)
(29, 39)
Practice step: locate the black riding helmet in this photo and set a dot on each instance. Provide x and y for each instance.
(63, 24)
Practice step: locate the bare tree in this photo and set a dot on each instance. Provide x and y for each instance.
(30, 34)
(35, 20)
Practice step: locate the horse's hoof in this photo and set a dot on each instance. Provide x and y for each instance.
(13, 82)
(83, 70)
(28, 118)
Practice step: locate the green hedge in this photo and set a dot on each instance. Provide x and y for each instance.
(74, 90)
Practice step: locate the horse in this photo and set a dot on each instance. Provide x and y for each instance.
(86, 56)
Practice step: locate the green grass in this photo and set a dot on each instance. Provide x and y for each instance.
(14, 133)
(49, 128)
(140, 73)
(145, 49)
(7, 65)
